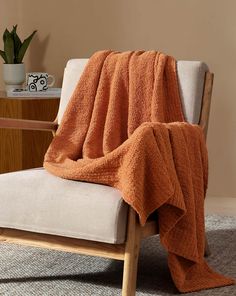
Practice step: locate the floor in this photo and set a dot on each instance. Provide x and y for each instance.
(26, 271)
(221, 205)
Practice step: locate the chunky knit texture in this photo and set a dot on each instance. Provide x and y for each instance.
(124, 127)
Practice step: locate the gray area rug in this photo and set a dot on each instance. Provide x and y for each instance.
(29, 271)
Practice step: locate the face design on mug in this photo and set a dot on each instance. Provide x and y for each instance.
(37, 82)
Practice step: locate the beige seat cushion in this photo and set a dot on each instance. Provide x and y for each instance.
(37, 201)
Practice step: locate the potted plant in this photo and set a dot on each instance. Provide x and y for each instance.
(13, 54)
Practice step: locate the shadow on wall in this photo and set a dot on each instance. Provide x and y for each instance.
(39, 46)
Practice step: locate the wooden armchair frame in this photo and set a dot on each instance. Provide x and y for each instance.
(128, 251)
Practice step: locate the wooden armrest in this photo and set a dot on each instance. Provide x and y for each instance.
(28, 124)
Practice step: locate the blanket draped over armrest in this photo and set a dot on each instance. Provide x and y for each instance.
(124, 127)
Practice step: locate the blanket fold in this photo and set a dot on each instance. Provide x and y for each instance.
(124, 127)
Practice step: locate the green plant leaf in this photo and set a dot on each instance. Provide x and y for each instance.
(9, 48)
(24, 47)
(2, 53)
(5, 34)
(17, 43)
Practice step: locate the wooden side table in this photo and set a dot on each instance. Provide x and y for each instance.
(21, 149)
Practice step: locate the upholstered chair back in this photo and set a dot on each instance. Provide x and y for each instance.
(191, 75)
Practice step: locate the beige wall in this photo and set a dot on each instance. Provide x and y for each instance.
(188, 29)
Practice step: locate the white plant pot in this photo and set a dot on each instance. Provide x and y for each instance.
(13, 75)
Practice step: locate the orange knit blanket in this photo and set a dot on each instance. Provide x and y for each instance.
(124, 127)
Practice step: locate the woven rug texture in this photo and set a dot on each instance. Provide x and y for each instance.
(27, 271)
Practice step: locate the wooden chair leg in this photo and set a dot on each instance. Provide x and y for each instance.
(131, 256)
(207, 248)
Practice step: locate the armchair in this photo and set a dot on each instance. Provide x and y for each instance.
(42, 210)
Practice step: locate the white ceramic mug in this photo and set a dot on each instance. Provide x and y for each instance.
(39, 81)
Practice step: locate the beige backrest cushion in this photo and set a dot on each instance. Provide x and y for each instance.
(191, 75)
